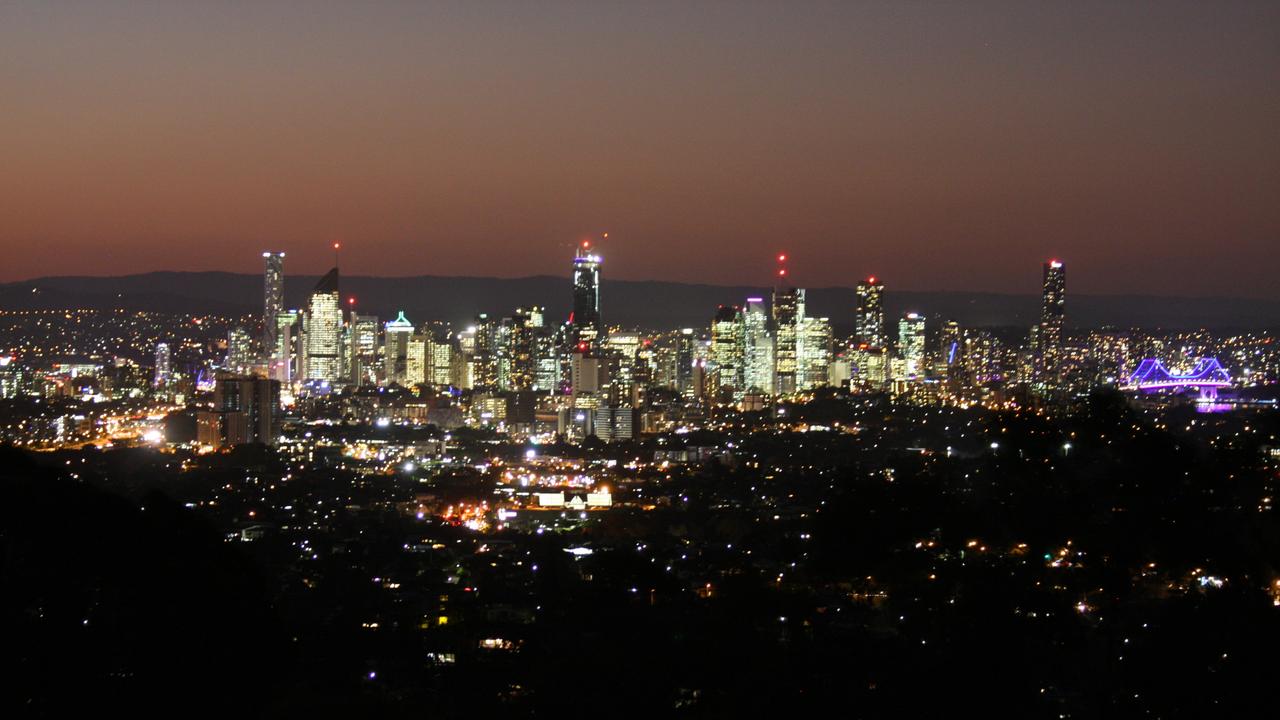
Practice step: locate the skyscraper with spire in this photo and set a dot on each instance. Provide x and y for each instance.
(585, 322)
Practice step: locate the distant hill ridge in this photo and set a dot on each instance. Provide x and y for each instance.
(646, 304)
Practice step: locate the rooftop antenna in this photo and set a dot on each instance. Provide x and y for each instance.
(782, 270)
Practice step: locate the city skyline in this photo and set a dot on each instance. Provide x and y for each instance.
(486, 141)
(639, 357)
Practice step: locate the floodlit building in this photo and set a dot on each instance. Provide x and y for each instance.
(868, 321)
(395, 356)
(586, 321)
(911, 341)
(322, 328)
(757, 348)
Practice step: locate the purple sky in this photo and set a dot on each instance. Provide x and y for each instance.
(949, 145)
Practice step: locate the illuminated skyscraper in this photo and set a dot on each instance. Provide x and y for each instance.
(281, 364)
(418, 360)
(684, 362)
(621, 351)
(441, 360)
(868, 322)
(951, 349)
(911, 343)
(164, 362)
(323, 328)
(363, 349)
(813, 353)
(526, 348)
(727, 352)
(1051, 317)
(757, 375)
(586, 322)
(490, 357)
(272, 301)
(239, 351)
(788, 314)
(395, 357)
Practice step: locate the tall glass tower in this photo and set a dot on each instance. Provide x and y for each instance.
(911, 343)
(727, 350)
(757, 348)
(396, 350)
(1052, 311)
(788, 316)
(323, 327)
(272, 301)
(164, 362)
(868, 323)
(587, 326)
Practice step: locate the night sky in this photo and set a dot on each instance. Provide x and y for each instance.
(948, 146)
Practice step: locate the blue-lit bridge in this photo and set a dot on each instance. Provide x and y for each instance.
(1208, 376)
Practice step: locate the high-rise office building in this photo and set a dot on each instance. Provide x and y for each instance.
(584, 379)
(281, 359)
(813, 353)
(1052, 312)
(587, 324)
(868, 322)
(245, 410)
(239, 351)
(685, 359)
(164, 360)
(548, 369)
(418, 360)
(951, 349)
(757, 361)
(621, 355)
(442, 353)
(490, 356)
(272, 301)
(911, 343)
(526, 348)
(727, 351)
(322, 326)
(363, 350)
(395, 356)
(788, 314)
